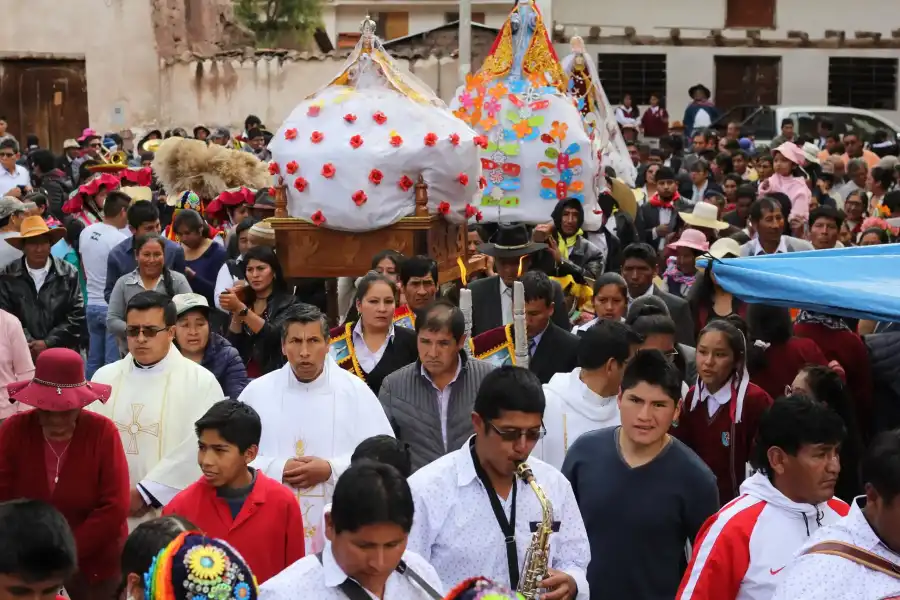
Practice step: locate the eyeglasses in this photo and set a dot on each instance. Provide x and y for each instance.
(7, 154)
(97, 145)
(513, 435)
(148, 331)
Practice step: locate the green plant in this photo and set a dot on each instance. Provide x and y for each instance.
(274, 20)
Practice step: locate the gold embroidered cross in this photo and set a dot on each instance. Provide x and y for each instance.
(134, 428)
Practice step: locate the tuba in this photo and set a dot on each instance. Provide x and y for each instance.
(537, 558)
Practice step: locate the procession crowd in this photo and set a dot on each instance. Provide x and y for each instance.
(185, 422)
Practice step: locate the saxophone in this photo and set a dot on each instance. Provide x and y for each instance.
(537, 558)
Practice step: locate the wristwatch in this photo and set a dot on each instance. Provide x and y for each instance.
(243, 312)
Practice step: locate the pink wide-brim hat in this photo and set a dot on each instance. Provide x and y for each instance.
(58, 383)
(693, 239)
(792, 152)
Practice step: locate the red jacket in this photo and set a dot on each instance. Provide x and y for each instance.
(847, 348)
(93, 488)
(268, 532)
(784, 361)
(724, 450)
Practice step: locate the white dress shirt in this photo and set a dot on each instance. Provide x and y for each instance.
(455, 529)
(756, 248)
(367, 359)
(443, 398)
(506, 302)
(665, 217)
(826, 577)
(39, 276)
(8, 180)
(717, 400)
(307, 578)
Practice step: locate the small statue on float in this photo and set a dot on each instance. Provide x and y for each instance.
(351, 154)
(538, 151)
(585, 87)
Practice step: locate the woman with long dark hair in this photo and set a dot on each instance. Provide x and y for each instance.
(774, 355)
(255, 305)
(709, 302)
(825, 385)
(722, 410)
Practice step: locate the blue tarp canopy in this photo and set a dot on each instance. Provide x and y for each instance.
(861, 282)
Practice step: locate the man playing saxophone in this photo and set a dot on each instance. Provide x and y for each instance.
(475, 516)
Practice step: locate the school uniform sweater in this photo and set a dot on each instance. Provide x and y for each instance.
(723, 445)
(783, 362)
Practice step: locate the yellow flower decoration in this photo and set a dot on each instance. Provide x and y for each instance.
(206, 563)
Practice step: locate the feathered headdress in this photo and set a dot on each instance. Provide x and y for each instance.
(207, 170)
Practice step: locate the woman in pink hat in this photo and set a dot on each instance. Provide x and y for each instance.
(681, 269)
(73, 459)
(790, 179)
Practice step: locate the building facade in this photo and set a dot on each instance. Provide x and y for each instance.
(748, 52)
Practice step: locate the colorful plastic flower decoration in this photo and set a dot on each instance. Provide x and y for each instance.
(317, 218)
(405, 183)
(292, 167)
(463, 179)
(290, 134)
(466, 100)
(444, 208)
(328, 170)
(481, 141)
(492, 107)
(396, 141)
(379, 117)
(274, 169)
(300, 184)
(356, 141)
(316, 136)
(431, 139)
(454, 139)
(313, 110)
(350, 118)
(359, 197)
(376, 176)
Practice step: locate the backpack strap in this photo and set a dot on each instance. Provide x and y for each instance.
(354, 591)
(857, 555)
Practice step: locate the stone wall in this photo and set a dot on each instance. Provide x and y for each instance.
(201, 26)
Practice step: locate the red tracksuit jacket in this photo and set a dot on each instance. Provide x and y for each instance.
(268, 532)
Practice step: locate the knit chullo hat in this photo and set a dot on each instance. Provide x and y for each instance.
(195, 567)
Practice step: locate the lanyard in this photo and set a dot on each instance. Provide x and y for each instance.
(508, 527)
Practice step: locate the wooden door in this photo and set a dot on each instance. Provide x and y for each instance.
(755, 14)
(392, 25)
(44, 97)
(741, 80)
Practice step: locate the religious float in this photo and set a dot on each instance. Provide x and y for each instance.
(538, 150)
(373, 160)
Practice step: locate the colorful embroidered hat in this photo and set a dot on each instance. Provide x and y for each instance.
(195, 567)
(480, 588)
(58, 383)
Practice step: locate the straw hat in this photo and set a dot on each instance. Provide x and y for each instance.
(704, 215)
(58, 384)
(623, 196)
(33, 227)
(138, 193)
(725, 248)
(811, 152)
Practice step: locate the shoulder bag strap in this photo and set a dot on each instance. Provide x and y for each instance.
(857, 555)
(354, 591)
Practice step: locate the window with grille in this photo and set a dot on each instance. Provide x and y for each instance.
(637, 74)
(862, 82)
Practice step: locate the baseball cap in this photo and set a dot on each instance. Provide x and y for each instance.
(10, 206)
(186, 302)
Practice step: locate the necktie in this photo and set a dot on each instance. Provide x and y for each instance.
(531, 346)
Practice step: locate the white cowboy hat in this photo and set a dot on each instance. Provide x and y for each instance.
(725, 248)
(811, 152)
(704, 215)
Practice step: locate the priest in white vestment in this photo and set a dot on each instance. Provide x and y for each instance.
(157, 396)
(586, 399)
(313, 414)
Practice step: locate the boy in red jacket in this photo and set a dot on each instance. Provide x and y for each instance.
(236, 503)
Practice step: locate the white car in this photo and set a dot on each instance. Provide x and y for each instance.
(764, 122)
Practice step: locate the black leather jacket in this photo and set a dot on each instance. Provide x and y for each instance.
(265, 346)
(56, 313)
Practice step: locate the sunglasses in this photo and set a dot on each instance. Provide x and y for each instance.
(148, 331)
(513, 435)
(7, 154)
(97, 145)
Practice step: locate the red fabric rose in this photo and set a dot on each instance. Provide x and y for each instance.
(479, 216)
(356, 141)
(454, 139)
(328, 170)
(444, 208)
(350, 117)
(314, 110)
(316, 137)
(300, 184)
(405, 183)
(375, 176)
(482, 182)
(290, 134)
(463, 179)
(396, 141)
(292, 167)
(274, 169)
(272, 191)
(481, 140)
(471, 211)
(317, 218)
(359, 197)
(431, 139)
(379, 117)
